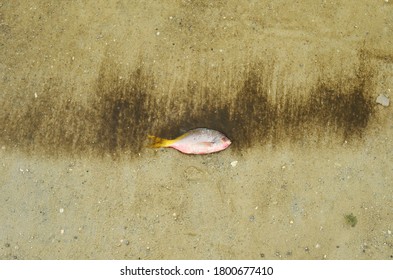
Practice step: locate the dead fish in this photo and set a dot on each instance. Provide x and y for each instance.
(197, 141)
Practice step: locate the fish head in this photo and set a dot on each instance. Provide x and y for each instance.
(217, 144)
(225, 142)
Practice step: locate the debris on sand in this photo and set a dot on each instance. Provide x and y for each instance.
(351, 220)
(383, 100)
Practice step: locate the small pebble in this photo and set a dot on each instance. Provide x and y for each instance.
(123, 241)
(61, 210)
(383, 100)
(234, 163)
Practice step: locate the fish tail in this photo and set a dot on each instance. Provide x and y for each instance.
(158, 142)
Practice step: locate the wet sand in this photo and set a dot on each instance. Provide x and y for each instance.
(309, 174)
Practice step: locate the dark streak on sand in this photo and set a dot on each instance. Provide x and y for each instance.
(123, 111)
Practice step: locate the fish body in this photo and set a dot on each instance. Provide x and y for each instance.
(197, 141)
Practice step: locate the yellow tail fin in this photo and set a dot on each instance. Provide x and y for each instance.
(158, 142)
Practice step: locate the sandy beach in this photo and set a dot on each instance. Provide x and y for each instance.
(309, 174)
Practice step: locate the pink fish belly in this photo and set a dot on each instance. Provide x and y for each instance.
(199, 148)
(195, 148)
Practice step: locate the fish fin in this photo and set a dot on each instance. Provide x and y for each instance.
(158, 142)
(207, 144)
